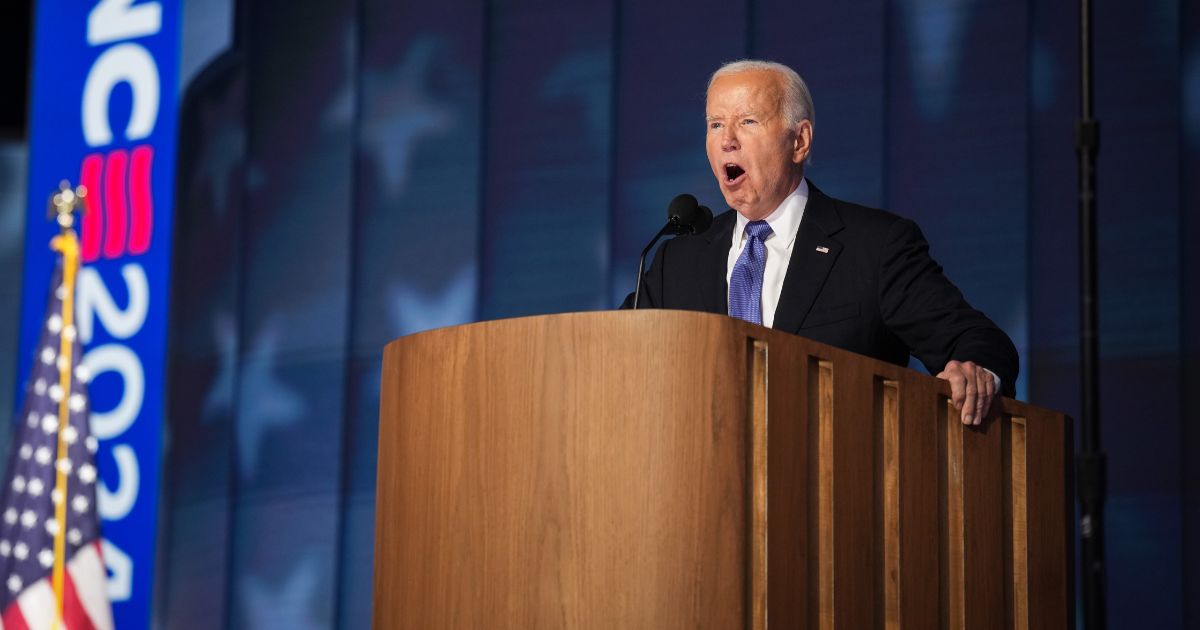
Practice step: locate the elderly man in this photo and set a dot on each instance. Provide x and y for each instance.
(789, 257)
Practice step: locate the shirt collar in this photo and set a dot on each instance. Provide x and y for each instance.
(785, 220)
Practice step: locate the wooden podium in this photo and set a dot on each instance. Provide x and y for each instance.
(668, 469)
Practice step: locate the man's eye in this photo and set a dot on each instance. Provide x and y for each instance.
(749, 121)
(714, 125)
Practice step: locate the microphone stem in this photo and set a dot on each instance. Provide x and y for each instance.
(671, 226)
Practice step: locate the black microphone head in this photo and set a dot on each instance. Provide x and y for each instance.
(688, 216)
(682, 208)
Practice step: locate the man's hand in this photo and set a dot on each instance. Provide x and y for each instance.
(972, 389)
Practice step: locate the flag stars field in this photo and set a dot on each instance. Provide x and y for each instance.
(87, 473)
(33, 565)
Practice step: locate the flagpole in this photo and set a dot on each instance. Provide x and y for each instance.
(66, 243)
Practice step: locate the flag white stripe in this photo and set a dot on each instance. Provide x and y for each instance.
(38, 604)
(87, 571)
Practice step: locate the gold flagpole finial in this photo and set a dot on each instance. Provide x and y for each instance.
(63, 204)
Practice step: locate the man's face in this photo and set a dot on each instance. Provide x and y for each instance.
(756, 154)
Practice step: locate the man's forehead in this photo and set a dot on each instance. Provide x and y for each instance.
(747, 92)
(753, 103)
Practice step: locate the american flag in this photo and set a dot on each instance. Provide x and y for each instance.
(27, 515)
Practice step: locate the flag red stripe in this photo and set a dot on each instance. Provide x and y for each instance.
(73, 612)
(116, 212)
(13, 618)
(89, 176)
(139, 193)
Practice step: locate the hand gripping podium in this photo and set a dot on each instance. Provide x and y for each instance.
(668, 469)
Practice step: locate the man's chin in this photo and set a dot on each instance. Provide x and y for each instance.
(734, 200)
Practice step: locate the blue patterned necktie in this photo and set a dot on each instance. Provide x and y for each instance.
(745, 284)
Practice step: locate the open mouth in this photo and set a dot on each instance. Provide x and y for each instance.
(733, 173)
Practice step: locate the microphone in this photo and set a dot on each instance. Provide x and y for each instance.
(684, 216)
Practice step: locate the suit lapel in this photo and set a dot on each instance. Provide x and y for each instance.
(716, 260)
(813, 255)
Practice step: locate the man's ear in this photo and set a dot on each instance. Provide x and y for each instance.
(802, 141)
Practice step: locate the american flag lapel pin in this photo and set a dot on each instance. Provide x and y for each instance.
(823, 249)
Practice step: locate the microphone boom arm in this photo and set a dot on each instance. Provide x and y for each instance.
(672, 226)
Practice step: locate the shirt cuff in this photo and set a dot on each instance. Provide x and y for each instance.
(995, 378)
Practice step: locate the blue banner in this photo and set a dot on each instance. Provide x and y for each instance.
(103, 114)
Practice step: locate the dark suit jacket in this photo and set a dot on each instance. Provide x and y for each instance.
(876, 292)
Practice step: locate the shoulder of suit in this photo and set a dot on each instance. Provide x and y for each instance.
(859, 218)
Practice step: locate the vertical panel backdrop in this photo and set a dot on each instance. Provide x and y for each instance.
(354, 172)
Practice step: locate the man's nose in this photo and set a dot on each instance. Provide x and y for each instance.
(729, 141)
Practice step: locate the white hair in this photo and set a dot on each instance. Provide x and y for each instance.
(797, 102)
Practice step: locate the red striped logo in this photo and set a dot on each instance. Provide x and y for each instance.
(120, 214)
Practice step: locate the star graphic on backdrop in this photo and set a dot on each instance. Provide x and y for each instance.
(399, 109)
(340, 113)
(265, 402)
(220, 396)
(937, 29)
(287, 605)
(413, 310)
(585, 76)
(223, 147)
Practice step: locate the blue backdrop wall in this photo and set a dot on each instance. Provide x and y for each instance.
(350, 172)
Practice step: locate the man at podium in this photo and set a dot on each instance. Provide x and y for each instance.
(789, 257)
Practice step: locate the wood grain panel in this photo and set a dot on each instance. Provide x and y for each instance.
(758, 485)
(684, 470)
(563, 474)
(853, 448)
(952, 537)
(983, 524)
(787, 487)
(1018, 517)
(919, 507)
(1049, 465)
(889, 544)
(821, 454)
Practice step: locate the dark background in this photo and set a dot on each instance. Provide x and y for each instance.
(355, 171)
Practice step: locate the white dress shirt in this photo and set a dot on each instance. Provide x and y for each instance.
(785, 224)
